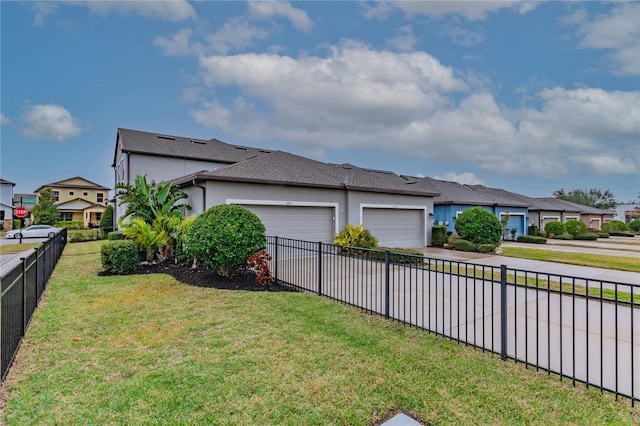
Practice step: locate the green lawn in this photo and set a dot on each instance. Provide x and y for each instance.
(150, 350)
(17, 247)
(620, 263)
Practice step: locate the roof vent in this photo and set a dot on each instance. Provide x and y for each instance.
(169, 138)
(198, 142)
(244, 148)
(266, 151)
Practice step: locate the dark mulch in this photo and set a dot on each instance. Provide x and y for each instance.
(202, 277)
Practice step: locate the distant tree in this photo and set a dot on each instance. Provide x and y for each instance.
(45, 211)
(588, 197)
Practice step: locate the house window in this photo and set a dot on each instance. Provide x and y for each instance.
(100, 197)
(70, 192)
(1, 214)
(66, 216)
(98, 217)
(56, 195)
(85, 194)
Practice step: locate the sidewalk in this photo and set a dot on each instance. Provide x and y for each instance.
(534, 265)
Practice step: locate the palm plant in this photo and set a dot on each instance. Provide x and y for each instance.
(148, 239)
(149, 200)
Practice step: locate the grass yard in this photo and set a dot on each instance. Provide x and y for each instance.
(17, 247)
(150, 350)
(620, 263)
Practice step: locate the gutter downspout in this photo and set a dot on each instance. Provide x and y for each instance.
(204, 195)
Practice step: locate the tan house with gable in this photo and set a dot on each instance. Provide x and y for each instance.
(79, 199)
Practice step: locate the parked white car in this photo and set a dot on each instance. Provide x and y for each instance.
(34, 231)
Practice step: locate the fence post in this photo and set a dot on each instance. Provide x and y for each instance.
(319, 268)
(386, 283)
(503, 312)
(275, 260)
(24, 295)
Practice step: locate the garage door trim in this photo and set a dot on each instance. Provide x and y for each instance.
(335, 206)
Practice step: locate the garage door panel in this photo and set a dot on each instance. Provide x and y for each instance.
(297, 222)
(395, 227)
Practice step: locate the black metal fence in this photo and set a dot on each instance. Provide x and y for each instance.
(22, 286)
(583, 329)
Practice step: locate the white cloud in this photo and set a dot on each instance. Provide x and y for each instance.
(460, 35)
(42, 9)
(360, 98)
(617, 31)
(235, 34)
(466, 178)
(4, 119)
(50, 122)
(405, 41)
(169, 10)
(268, 9)
(165, 10)
(471, 10)
(179, 44)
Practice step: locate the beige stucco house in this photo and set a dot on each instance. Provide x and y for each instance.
(79, 199)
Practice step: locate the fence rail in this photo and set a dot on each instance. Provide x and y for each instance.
(583, 329)
(21, 290)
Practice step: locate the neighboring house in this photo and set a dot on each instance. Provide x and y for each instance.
(295, 197)
(627, 212)
(566, 210)
(6, 207)
(79, 199)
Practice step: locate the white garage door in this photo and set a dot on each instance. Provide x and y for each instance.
(297, 222)
(395, 227)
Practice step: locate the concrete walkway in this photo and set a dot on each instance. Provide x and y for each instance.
(534, 265)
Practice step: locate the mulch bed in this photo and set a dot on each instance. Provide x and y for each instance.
(202, 277)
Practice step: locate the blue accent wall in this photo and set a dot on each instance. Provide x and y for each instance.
(444, 214)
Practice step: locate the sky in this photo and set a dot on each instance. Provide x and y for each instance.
(526, 96)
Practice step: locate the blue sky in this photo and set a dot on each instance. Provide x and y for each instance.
(526, 96)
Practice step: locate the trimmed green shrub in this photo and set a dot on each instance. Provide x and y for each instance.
(451, 241)
(398, 255)
(119, 257)
(602, 235)
(479, 226)
(576, 227)
(70, 224)
(464, 245)
(439, 235)
(534, 239)
(554, 228)
(621, 234)
(634, 225)
(80, 235)
(485, 248)
(16, 223)
(224, 237)
(565, 236)
(613, 226)
(586, 236)
(355, 236)
(116, 235)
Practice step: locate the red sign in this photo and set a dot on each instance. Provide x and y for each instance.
(21, 212)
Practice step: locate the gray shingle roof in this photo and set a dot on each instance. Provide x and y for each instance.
(288, 169)
(568, 206)
(6, 182)
(135, 141)
(501, 197)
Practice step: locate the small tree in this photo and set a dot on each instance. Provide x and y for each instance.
(504, 221)
(224, 237)
(45, 211)
(479, 226)
(106, 221)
